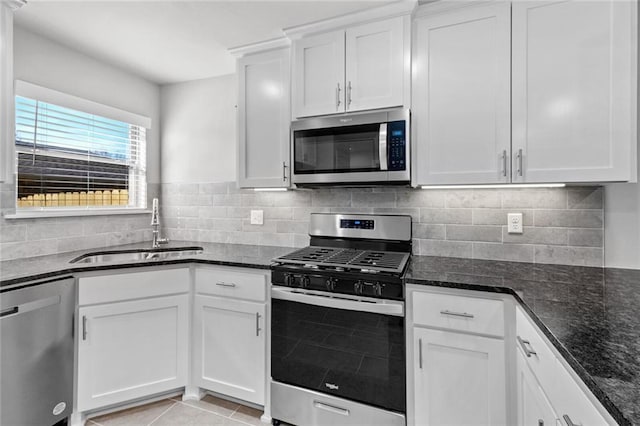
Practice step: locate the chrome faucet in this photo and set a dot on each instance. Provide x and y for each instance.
(155, 224)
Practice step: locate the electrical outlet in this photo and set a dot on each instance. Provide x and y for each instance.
(514, 223)
(257, 217)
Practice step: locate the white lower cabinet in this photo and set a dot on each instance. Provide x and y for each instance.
(549, 393)
(230, 347)
(131, 349)
(456, 366)
(533, 406)
(459, 379)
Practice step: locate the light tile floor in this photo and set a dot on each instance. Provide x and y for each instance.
(210, 411)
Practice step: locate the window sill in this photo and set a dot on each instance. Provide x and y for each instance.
(39, 213)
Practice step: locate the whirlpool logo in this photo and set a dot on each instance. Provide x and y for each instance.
(332, 386)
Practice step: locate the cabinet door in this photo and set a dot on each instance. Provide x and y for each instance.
(375, 63)
(318, 69)
(461, 96)
(459, 379)
(230, 347)
(573, 89)
(263, 120)
(534, 409)
(131, 349)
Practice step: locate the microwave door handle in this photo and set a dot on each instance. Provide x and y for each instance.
(382, 146)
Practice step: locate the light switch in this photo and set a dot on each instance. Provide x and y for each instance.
(514, 223)
(257, 217)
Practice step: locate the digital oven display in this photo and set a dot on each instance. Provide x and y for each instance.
(356, 224)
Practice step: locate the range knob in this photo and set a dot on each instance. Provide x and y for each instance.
(305, 281)
(331, 284)
(288, 280)
(358, 287)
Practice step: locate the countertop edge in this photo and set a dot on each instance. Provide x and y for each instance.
(11, 283)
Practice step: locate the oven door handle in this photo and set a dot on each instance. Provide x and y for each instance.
(340, 301)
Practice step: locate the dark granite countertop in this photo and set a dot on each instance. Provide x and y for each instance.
(13, 272)
(591, 315)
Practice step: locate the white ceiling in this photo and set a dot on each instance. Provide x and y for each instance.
(173, 41)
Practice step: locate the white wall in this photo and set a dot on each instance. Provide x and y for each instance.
(198, 130)
(43, 62)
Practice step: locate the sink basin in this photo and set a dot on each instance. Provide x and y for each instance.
(137, 255)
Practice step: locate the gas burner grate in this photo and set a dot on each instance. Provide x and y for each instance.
(347, 258)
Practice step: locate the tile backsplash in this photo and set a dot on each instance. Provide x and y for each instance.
(35, 237)
(561, 225)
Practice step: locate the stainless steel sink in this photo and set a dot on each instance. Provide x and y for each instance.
(137, 255)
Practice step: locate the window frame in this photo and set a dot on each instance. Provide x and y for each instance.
(43, 94)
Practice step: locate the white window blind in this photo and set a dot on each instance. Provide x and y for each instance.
(67, 158)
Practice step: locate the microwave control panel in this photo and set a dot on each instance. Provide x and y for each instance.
(396, 145)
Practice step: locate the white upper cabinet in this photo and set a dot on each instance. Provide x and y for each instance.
(574, 90)
(263, 119)
(360, 68)
(318, 69)
(374, 65)
(461, 96)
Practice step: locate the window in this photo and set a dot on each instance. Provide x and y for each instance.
(75, 159)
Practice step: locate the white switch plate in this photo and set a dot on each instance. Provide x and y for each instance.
(257, 217)
(514, 223)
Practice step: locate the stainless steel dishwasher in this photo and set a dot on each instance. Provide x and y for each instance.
(36, 353)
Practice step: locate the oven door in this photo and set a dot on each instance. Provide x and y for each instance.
(347, 346)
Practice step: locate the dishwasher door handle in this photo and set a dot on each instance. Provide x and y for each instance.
(9, 311)
(29, 306)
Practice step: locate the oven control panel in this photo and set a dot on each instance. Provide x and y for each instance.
(356, 224)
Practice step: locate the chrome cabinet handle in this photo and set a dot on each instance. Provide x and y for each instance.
(284, 171)
(223, 284)
(519, 159)
(504, 163)
(338, 97)
(348, 95)
(526, 347)
(456, 314)
(567, 419)
(420, 353)
(258, 329)
(84, 327)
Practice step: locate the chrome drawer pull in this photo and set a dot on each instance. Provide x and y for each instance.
(526, 347)
(420, 353)
(331, 408)
(457, 314)
(567, 419)
(223, 284)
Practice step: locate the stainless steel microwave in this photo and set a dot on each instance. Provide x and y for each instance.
(355, 148)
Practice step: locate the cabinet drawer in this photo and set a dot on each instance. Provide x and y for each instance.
(229, 283)
(133, 285)
(543, 361)
(461, 313)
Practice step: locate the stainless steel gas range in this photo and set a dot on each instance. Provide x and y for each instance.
(337, 349)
